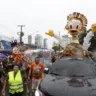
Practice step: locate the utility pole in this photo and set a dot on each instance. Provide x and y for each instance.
(21, 34)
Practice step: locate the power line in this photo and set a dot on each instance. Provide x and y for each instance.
(3, 26)
(10, 30)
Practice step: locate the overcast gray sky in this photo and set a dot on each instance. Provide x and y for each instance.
(42, 15)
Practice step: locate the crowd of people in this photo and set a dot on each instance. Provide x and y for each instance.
(16, 74)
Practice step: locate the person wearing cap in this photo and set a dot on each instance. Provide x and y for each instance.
(10, 65)
(15, 81)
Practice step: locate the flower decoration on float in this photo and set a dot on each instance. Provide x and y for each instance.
(16, 51)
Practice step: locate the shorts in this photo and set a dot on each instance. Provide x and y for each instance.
(35, 83)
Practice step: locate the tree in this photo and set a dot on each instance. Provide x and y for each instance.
(93, 44)
(55, 48)
(81, 37)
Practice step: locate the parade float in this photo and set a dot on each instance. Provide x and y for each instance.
(68, 73)
(76, 24)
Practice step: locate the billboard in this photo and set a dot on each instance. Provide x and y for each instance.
(5, 45)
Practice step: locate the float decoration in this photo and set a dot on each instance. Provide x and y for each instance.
(90, 35)
(15, 50)
(76, 23)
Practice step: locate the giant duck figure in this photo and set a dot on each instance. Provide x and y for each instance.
(76, 24)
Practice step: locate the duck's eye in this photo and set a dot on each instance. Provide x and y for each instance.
(77, 27)
(70, 26)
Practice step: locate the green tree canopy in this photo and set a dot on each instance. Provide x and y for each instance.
(55, 48)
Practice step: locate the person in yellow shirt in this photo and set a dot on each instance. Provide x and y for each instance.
(15, 82)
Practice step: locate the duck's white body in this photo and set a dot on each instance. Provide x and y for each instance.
(87, 39)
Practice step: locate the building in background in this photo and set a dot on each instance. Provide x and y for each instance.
(55, 44)
(45, 43)
(29, 39)
(67, 39)
(38, 41)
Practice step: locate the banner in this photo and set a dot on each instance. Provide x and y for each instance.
(5, 45)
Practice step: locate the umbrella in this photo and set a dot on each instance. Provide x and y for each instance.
(2, 55)
(28, 52)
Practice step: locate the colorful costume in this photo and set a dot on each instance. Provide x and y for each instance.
(76, 24)
(90, 39)
(15, 49)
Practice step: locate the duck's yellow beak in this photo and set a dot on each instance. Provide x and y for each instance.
(74, 31)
